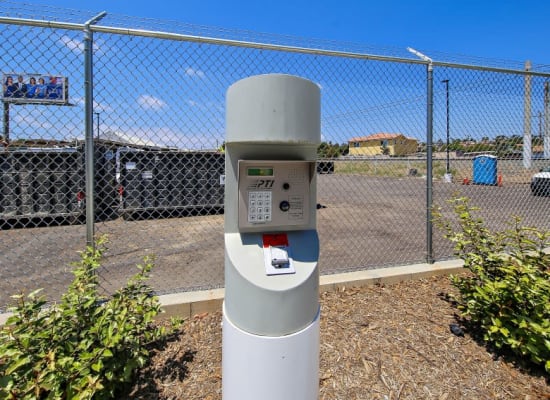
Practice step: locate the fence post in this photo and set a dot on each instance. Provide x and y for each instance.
(429, 164)
(88, 126)
(429, 151)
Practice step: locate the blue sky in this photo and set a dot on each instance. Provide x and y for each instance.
(372, 98)
(508, 29)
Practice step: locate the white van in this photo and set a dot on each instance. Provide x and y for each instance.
(540, 182)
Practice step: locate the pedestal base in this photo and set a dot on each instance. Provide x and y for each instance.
(270, 368)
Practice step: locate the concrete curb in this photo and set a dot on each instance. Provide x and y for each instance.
(188, 304)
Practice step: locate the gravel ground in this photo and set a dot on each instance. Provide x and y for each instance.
(377, 342)
(367, 223)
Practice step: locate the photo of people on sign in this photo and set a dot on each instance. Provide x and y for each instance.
(27, 88)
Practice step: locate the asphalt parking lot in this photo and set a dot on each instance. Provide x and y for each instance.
(363, 223)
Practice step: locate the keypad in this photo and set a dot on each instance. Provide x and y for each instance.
(259, 206)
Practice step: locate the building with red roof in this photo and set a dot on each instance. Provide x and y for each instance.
(393, 144)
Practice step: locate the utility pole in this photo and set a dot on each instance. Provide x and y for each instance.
(527, 118)
(546, 141)
(97, 123)
(540, 125)
(446, 82)
(7, 122)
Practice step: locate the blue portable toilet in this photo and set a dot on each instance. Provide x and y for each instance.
(485, 170)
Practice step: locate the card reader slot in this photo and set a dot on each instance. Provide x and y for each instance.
(279, 257)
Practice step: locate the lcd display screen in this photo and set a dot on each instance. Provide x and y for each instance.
(260, 171)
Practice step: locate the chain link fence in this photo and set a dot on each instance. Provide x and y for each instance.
(152, 120)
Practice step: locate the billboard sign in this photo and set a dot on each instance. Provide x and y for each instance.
(25, 88)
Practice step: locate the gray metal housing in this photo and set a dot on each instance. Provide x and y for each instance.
(270, 117)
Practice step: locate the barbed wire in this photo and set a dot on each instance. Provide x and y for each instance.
(15, 9)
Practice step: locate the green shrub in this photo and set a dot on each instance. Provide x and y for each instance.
(507, 294)
(86, 346)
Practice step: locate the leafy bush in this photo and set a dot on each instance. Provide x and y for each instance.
(507, 295)
(86, 346)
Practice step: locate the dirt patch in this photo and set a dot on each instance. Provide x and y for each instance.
(377, 342)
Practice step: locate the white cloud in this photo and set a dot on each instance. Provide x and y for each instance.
(194, 72)
(150, 102)
(35, 121)
(97, 106)
(76, 45)
(102, 107)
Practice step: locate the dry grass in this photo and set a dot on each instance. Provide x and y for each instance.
(378, 342)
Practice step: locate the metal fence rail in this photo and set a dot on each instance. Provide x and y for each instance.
(135, 152)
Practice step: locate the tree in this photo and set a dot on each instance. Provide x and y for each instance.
(456, 145)
(329, 150)
(344, 149)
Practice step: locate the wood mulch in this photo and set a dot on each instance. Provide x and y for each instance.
(377, 342)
